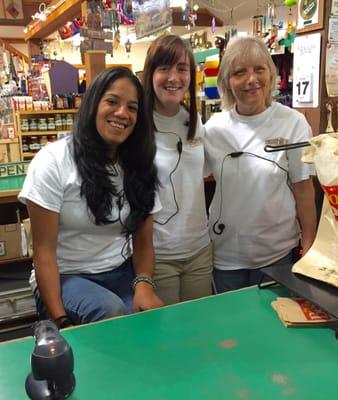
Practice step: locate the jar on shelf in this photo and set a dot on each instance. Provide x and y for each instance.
(52, 138)
(69, 120)
(43, 140)
(58, 102)
(77, 98)
(33, 125)
(24, 125)
(64, 122)
(58, 122)
(34, 145)
(25, 144)
(51, 124)
(42, 126)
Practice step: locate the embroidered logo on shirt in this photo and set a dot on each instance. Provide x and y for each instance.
(276, 141)
(195, 142)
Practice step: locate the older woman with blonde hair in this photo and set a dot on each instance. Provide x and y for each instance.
(264, 202)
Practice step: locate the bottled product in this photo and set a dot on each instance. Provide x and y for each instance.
(43, 141)
(58, 122)
(25, 144)
(64, 122)
(24, 125)
(58, 102)
(42, 126)
(52, 138)
(33, 125)
(69, 122)
(51, 124)
(34, 145)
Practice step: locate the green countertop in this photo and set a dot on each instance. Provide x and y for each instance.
(230, 346)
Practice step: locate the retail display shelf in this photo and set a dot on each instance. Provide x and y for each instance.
(58, 111)
(39, 133)
(15, 260)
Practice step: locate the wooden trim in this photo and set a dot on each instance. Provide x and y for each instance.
(12, 49)
(13, 40)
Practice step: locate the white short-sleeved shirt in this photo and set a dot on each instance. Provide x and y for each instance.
(252, 198)
(184, 231)
(53, 182)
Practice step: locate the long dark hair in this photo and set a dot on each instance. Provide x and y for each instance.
(166, 50)
(135, 156)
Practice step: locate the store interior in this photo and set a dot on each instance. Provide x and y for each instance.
(41, 43)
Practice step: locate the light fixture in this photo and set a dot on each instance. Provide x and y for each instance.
(127, 45)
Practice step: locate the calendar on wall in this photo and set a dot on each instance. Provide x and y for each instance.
(305, 89)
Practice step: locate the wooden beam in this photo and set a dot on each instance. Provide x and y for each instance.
(12, 49)
(55, 20)
(13, 40)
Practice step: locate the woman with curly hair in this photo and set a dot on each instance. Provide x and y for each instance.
(88, 197)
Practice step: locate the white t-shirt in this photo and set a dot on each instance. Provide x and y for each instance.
(252, 198)
(185, 233)
(53, 182)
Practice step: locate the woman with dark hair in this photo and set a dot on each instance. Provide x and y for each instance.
(181, 240)
(87, 195)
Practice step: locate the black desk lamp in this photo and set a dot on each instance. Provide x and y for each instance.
(52, 365)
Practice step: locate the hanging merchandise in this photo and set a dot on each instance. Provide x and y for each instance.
(290, 33)
(290, 3)
(213, 26)
(200, 41)
(232, 30)
(271, 13)
(257, 25)
(125, 10)
(115, 16)
(151, 16)
(220, 43)
(117, 40)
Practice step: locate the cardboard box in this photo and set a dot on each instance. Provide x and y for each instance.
(10, 240)
(9, 150)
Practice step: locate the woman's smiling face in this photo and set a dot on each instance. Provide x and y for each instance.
(117, 112)
(250, 84)
(170, 83)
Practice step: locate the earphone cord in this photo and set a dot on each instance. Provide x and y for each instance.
(221, 202)
(179, 149)
(238, 154)
(173, 190)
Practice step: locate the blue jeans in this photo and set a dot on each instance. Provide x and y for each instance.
(92, 297)
(239, 278)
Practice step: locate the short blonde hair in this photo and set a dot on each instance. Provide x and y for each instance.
(243, 49)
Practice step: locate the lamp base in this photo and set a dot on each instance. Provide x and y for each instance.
(49, 389)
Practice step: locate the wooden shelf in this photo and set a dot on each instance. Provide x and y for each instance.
(44, 112)
(6, 141)
(40, 133)
(9, 196)
(28, 154)
(15, 260)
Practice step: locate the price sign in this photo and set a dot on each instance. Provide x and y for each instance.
(304, 89)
